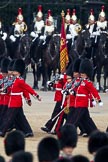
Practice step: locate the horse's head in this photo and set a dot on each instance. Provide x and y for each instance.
(25, 44)
(103, 39)
(3, 48)
(86, 39)
(103, 45)
(55, 43)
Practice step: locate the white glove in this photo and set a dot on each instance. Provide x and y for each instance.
(83, 31)
(43, 37)
(61, 76)
(94, 103)
(68, 36)
(33, 34)
(96, 33)
(48, 82)
(106, 90)
(13, 39)
(101, 104)
(4, 36)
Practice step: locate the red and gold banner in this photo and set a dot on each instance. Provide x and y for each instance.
(64, 59)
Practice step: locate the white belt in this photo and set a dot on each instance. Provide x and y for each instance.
(16, 94)
(2, 93)
(82, 95)
(58, 89)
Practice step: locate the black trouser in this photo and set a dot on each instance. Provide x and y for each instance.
(3, 110)
(69, 117)
(56, 110)
(15, 116)
(82, 115)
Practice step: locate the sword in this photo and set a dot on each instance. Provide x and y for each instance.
(64, 97)
(63, 100)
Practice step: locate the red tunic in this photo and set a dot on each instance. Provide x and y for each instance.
(1, 94)
(18, 87)
(58, 88)
(82, 94)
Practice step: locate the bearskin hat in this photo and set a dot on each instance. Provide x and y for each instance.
(4, 65)
(48, 149)
(19, 66)
(76, 65)
(68, 136)
(86, 67)
(23, 156)
(10, 66)
(97, 140)
(102, 155)
(14, 141)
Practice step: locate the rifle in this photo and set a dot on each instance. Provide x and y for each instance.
(4, 80)
(8, 84)
(55, 78)
(72, 89)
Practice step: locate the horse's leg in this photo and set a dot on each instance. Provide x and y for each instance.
(44, 78)
(105, 75)
(98, 85)
(25, 73)
(35, 83)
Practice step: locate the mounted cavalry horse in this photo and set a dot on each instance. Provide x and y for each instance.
(46, 58)
(20, 48)
(50, 59)
(3, 47)
(80, 47)
(102, 59)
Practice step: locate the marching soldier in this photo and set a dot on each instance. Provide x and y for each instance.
(38, 25)
(86, 87)
(15, 111)
(2, 33)
(19, 27)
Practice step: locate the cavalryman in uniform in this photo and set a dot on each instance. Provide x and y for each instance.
(67, 21)
(2, 33)
(75, 27)
(38, 25)
(102, 23)
(49, 28)
(19, 27)
(91, 26)
(68, 34)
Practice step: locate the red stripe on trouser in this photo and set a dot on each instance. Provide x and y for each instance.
(59, 123)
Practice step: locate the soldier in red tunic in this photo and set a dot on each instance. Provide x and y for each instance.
(3, 80)
(58, 85)
(86, 87)
(15, 112)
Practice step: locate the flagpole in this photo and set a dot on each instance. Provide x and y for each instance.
(64, 59)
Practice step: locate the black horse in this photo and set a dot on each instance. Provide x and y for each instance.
(102, 59)
(80, 47)
(3, 47)
(36, 60)
(20, 49)
(50, 59)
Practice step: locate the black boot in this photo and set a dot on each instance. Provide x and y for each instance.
(45, 129)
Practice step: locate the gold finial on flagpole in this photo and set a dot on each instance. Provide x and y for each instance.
(62, 13)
